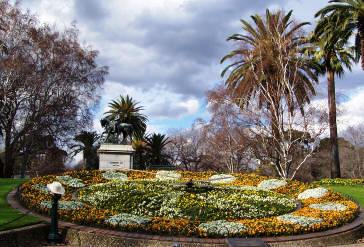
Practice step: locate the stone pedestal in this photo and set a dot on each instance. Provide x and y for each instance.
(115, 156)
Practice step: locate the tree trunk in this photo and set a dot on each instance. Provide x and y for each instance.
(276, 136)
(361, 37)
(9, 163)
(9, 159)
(362, 48)
(24, 164)
(26, 158)
(335, 161)
(2, 167)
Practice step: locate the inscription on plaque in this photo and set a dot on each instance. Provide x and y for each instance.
(116, 163)
(115, 157)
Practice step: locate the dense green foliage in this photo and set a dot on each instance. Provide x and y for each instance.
(167, 202)
(343, 19)
(176, 201)
(88, 143)
(155, 147)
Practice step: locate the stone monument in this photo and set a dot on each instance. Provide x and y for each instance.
(116, 153)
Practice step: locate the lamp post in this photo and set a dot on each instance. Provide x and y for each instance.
(57, 191)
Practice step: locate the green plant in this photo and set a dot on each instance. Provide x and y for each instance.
(330, 51)
(88, 143)
(340, 19)
(239, 208)
(127, 110)
(155, 149)
(250, 72)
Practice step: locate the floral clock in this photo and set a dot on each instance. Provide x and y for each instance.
(204, 204)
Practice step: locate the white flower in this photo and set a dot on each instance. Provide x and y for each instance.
(328, 206)
(42, 188)
(245, 187)
(300, 220)
(271, 184)
(312, 193)
(222, 228)
(115, 176)
(127, 219)
(70, 181)
(167, 175)
(64, 205)
(222, 178)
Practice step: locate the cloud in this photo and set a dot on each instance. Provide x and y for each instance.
(90, 10)
(352, 111)
(164, 53)
(158, 103)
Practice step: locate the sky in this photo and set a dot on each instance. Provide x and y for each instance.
(166, 53)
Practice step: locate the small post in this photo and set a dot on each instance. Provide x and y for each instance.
(57, 191)
(53, 236)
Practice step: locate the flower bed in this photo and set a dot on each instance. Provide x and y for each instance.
(341, 181)
(164, 203)
(115, 176)
(271, 184)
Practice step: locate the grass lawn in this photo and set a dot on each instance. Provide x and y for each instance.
(354, 191)
(7, 213)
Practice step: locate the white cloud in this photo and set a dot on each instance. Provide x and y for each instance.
(190, 105)
(352, 111)
(164, 53)
(157, 102)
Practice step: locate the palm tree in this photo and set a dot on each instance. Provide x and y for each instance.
(139, 146)
(329, 49)
(155, 145)
(128, 111)
(256, 65)
(273, 40)
(345, 18)
(88, 143)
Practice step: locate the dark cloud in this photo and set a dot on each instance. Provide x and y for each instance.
(90, 10)
(188, 49)
(178, 52)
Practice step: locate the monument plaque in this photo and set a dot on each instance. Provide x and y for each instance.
(115, 156)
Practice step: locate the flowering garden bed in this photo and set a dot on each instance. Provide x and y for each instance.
(214, 205)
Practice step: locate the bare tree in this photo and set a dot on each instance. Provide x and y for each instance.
(355, 135)
(226, 135)
(48, 83)
(186, 148)
(285, 127)
(294, 141)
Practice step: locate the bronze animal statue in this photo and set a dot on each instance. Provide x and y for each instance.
(114, 128)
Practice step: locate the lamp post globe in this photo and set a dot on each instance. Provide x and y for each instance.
(57, 191)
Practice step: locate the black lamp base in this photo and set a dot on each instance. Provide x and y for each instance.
(54, 238)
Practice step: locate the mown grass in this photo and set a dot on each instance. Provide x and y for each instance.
(8, 214)
(354, 191)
